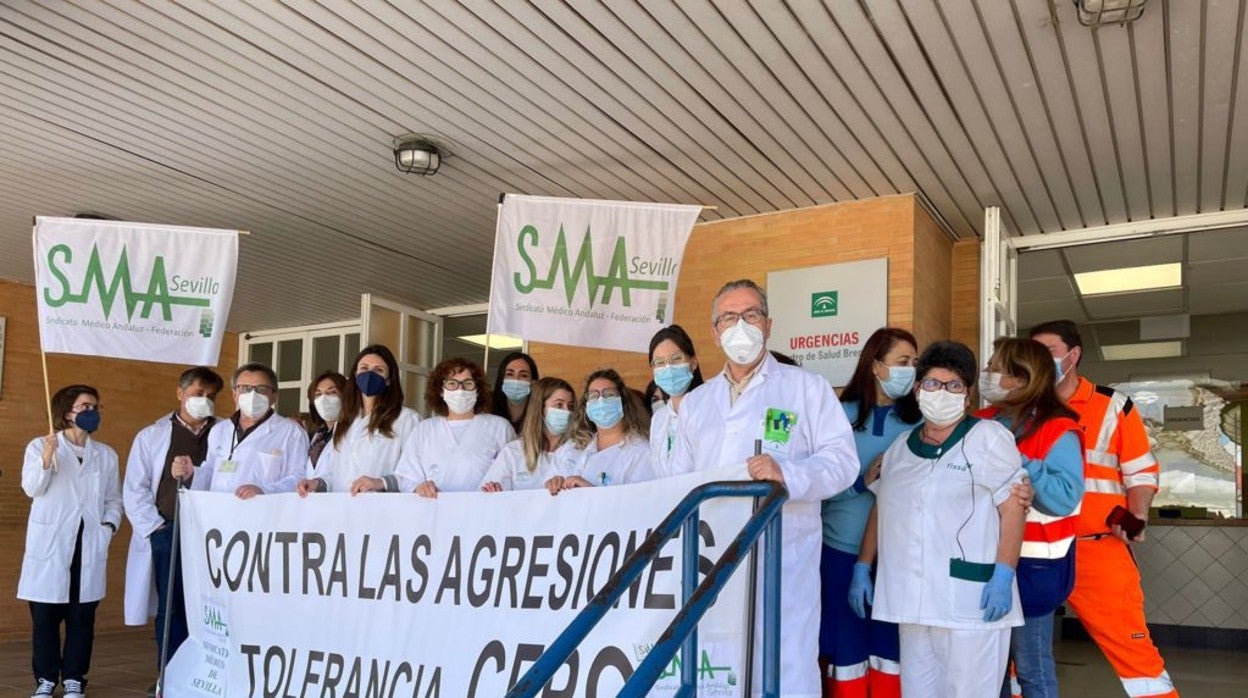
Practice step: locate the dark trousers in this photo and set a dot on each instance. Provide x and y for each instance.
(162, 557)
(49, 659)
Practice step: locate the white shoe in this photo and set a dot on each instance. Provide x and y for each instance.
(73, 689)
(44, 688)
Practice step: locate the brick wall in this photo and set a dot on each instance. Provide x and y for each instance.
(132, 395)
(964, 286)
(893, 227)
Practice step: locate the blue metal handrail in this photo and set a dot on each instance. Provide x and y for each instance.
(696, 598)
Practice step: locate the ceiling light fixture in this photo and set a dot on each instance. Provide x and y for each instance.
(416, 154)
(1096, 13)
(1142, 350)
(493, 341)
(1127, 279)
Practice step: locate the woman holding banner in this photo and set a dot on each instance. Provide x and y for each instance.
(451, 450)
(527, 462)
(609, 442)
(324, 408)
(76, 489)
(372, 432)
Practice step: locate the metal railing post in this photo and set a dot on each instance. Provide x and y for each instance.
(689, 582)
(771, 608)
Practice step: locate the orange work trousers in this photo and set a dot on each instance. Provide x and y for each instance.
(1110, 603)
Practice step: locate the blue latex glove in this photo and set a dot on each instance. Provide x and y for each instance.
(861, 589)
(998, 594)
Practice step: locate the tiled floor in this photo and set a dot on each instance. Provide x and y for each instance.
(123, 663)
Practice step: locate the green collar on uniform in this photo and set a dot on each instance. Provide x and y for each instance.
(926, 450)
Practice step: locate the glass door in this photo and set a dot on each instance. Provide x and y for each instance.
(413, 335)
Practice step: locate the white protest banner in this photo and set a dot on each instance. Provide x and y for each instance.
(821, 316)
(586, 273)
(395, 595)
(133, 290)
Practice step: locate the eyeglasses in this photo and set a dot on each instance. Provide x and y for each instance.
(677, 359)
(955, 386)
(753, 316)
(593, 395)
(453, 384)
(262, 389)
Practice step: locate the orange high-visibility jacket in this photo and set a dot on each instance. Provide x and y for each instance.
(1116, 455)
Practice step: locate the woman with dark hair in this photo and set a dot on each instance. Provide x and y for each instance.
(527, 462)
(608, 444)
(948, 533)
(880, 405)
(324, 407)
(1021, 385)
(676, 372)
(452, 449)
(512, 385)
(372, 431)
(76, 491)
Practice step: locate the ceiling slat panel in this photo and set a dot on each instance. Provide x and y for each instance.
(972, 76)
(1092, 110)
(1117, 64)
(1235, 188)
(1152, 77)
(1222, 24)
(904, 48)
(833, 151)
(1184, 34)
(1033, 113)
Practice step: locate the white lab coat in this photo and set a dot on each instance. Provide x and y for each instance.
(361, 453)
(454, 458)
(143, 465)
(934, 509)
(510, 470)
(272, 457)
(71, 492)
(623, 463)
(663, 425)
(818, 461)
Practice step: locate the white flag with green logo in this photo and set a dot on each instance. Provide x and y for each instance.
(133, 290)
(587, 273)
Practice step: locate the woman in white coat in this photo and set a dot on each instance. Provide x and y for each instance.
(527, 462)
(609, 443)
(452, 449)
(373, 429)
(76, 491)
(948, 535)
(676, 373)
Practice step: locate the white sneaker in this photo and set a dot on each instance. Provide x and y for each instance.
(44, 688)
(73, 689)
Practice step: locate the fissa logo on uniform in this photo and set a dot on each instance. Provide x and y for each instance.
(823, 304)
(599, 289)
(120, 282)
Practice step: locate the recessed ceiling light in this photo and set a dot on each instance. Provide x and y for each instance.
(493, 341)
(1126, 279)
(1142, 350)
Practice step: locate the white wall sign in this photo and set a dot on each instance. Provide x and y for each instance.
(821, 316)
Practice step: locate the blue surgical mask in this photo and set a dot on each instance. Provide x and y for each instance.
(1057, 363)
(899, 382)
(88, 420)
(605, 412)
(674, 379)
(516, 390)
(556, 419)
(370, 383)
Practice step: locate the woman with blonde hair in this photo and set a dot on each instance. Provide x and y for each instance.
(1021, 385)
(609, 442)
(527, 462)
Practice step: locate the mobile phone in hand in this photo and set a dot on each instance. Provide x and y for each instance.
(1128, 522)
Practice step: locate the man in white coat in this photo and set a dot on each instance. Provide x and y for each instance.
(255, 451)
(808, 447)
(150, 493)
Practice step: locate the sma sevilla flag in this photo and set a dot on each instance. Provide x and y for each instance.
(133, 290)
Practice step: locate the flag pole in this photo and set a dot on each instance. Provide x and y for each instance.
(485, 368)
(47, 391)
